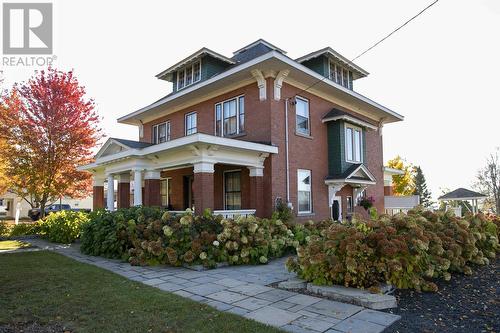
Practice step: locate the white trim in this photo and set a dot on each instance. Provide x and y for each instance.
(310, 192)
(337, 56)
(186, 125)
(261, 83)
(278, 83)
(308, 115)
(392, 171)
(224, 188)
(353, 130)
(110, 198)
(236, 69)
(259, 41)
(463, 199)
(256, 171)
(203, 167)
(137, 187)
(185, 76)
(152, 174)
(237, 99)
(124, 178)
(193, 56)
(351, 120)
(108, 143)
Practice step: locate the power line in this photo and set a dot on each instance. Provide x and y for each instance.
(378, 42)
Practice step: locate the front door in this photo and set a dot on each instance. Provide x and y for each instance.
(337, 209)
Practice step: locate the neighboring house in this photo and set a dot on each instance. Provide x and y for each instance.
(396, 203)
(237, 134)
(9, 202)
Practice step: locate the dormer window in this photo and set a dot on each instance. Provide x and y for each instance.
(188, 75)
(340, 75)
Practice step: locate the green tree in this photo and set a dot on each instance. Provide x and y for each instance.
(421, 188)
(488, 182)
(402, 184)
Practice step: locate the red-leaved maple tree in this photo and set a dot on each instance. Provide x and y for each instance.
(49, 128)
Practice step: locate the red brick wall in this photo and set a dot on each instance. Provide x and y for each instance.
(265, 122)
(203, 191)
(177, 175)
(388, 190)
(152, 192)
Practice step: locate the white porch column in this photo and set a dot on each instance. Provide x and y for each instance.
(111, 193)
(137, 187)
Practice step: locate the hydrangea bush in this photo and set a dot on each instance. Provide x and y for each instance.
(148, 236)
(404, 250)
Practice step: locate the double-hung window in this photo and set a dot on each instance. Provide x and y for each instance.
(161, 132)
(191, 123)
(230, 117)
(188, 75)
(302, 116)
(232, 190)
(304, 191)
(165, 192)
(353, 144)
(340, 75)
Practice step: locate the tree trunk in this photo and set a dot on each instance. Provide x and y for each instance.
(42, 209)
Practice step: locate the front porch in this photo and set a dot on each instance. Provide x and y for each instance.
(198, 172)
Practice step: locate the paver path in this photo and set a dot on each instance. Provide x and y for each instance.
(243, 290)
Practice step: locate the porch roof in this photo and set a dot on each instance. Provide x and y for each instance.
(186, 150)
(355, 174)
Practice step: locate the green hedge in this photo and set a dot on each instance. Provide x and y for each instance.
(404, 250)
(63, 227)
(148, 236)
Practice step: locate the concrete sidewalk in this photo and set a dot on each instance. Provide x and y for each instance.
(244, 290)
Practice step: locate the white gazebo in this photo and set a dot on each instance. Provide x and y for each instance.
(463, 194)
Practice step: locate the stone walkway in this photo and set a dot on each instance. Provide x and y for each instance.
(243, 290)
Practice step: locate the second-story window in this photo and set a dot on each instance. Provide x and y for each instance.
(161, 132)
(302, 116)
(230, 117)
(353, 144)
(191, 123)
(188, 75)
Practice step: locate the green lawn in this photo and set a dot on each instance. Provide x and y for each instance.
(49, 289)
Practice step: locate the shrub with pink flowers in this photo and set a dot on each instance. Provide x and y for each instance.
(406, 250)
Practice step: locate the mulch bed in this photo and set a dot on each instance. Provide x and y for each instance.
(464, 304)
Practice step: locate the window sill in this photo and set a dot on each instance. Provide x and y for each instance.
(305, 214)
(234, 136)
(307, 136)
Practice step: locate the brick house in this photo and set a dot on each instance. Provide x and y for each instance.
(239, 134)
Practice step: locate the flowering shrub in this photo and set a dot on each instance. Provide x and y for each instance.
(404, 250)
(366, 202)
(63, 226)
(149, 237)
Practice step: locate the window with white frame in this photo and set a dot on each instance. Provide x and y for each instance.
(230, 117)
(350, 206)
(165, 192)
(188, 75)
(191, 123)
(340, 75)
(304, 191)
(302, 116)
(161, 132)
(232, 190)
(353, 144)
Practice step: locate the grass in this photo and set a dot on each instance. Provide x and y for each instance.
(13, 245)
(50, 289)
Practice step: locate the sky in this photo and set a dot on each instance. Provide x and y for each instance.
(441, 71)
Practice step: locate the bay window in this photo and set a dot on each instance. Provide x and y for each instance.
(230, 117)
(161, 132)
(304, 191)
(353, 144)
(302, 116)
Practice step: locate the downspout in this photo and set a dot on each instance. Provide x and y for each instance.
(286, 157)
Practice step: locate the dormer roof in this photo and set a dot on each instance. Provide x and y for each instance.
(167, 73)
(332, 54)
(256, 43)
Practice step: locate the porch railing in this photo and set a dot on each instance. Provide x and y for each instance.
(232, 213)
(225, 213)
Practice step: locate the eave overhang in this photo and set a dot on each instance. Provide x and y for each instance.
(240, 75)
